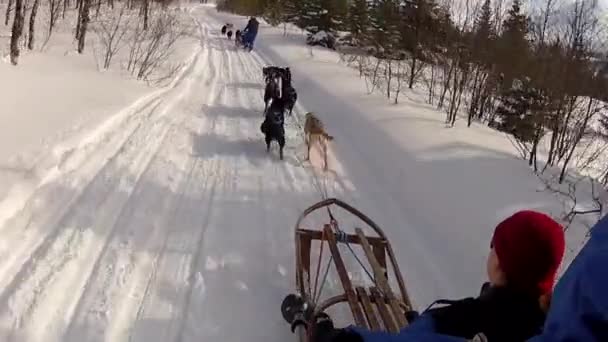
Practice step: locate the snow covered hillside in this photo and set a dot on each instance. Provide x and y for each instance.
(170, 222)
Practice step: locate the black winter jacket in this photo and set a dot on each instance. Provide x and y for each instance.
(499, 313)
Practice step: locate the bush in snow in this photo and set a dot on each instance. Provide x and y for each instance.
(150, 48)
(321, 38)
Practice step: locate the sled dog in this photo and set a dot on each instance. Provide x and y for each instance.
(315, 131)
(273, 126)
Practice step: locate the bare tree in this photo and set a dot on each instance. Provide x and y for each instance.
(17, 31)
(30, 43)
(54, 8)
(146, 12)
(594, 106)
(84, 22)
(149, 49)
(572, 195)
(7, 14)
(111, 32)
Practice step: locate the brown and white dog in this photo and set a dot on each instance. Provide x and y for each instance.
(315, 131)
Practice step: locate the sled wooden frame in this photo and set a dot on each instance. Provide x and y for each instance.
(389, 312)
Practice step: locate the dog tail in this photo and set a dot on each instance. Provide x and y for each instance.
(328, 137)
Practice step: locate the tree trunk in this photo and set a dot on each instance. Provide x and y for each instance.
(146, 12)
(534, 149)
(555, 133)
(17, 31)
(66, 3)
(98, 9)
(446, 84)
(24, 34)
(30, 43)
(79, 20)
(412, 71)
(577, 139)
(83, 25)
(390, 78)
(7, 14)
(52, 9)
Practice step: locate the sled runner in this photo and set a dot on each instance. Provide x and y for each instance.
(376, 307)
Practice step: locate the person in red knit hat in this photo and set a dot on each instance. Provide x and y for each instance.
(525, 253)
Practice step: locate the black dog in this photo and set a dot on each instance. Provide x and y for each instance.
(229, 34)
(273, 126)
(271, 76)
(271, 92)
(275, 72)
(227, 28)
(238, 40)
(288, 92)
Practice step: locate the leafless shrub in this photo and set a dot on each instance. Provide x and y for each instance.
(111, 30)
(570, 194)
(54, 7)
(149, 49)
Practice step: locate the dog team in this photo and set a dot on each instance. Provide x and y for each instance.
(279, 97)
(244, 38)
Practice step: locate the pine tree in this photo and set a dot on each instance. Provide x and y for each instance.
(384, 20)
(274, 12)
(358, 22)
(513, 51)
(310, 18)
(484, 33)
(522, 111)
(292, 10)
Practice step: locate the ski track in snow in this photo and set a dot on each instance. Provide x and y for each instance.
(175, 226)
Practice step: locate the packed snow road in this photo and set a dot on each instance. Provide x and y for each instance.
(171, 224)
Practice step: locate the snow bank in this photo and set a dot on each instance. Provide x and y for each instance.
(55, 95)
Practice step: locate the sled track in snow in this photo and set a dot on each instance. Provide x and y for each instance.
(141, 234)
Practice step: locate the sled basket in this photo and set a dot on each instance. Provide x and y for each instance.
(378, 308)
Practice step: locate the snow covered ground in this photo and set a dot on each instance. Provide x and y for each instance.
(55, 97)
(170, 222)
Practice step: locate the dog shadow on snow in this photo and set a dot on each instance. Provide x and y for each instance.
(252, 146)
(231, 112)
(212, 145)
(253, 149)
(246, 85)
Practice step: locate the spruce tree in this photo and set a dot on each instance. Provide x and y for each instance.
(358, 22)
(513, 52)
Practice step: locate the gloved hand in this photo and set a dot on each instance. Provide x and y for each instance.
(326, 332)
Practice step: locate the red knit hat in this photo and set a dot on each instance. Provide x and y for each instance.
(530, 247)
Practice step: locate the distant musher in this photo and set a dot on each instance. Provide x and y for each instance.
(250, 33)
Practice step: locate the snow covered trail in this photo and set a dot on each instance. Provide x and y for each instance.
(173, 225)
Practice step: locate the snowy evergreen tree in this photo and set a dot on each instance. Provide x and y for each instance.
(513, 50)
(522, 111)
(484, 34)
(358, 22)
(384, 20)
